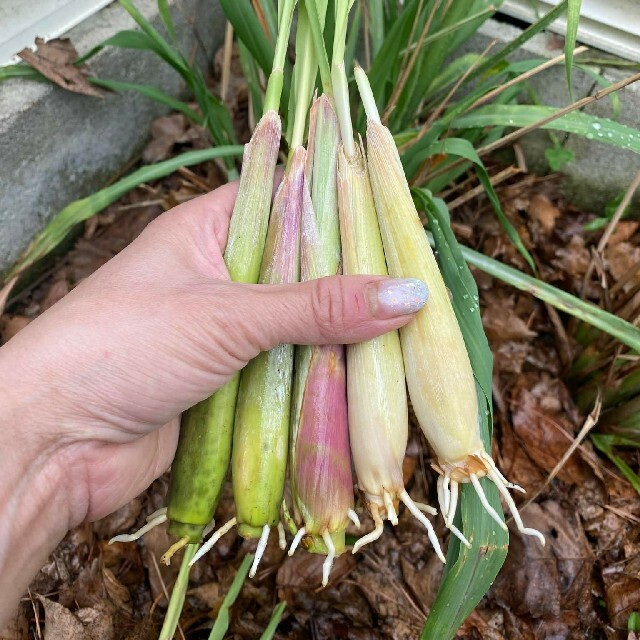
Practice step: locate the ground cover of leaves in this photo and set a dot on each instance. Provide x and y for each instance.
(584, 584)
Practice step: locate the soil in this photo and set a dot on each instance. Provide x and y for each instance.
(584, 584)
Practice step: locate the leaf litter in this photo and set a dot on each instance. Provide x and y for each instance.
(584, 584)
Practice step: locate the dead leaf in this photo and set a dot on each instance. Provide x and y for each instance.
(118, 593)
(54, 60)
(622, 594)
(545, 433)
(209, 594)
(60, 623)
(100, 620)
(543, 211)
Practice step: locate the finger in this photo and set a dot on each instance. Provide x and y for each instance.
(334, 310)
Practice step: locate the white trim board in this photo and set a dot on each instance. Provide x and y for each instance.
(609, 25)
(21, 21)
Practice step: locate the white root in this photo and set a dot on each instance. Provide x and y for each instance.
(510, 485)
(513, 508)
(415, 511)
(282, 539)
(485, 503)
(453, 502)
(208, 545)
(328, 563)
(425, 508)
(153, 521)
(375, 534)
(391, 511)
(353, 516)
(296, 540)
(260, 549)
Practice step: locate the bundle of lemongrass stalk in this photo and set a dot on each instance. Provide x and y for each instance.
(323, 409)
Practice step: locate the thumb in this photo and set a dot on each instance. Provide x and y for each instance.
(332, 310)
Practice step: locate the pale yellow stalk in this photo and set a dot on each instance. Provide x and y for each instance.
(439, 375)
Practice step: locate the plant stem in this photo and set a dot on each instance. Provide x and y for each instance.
(343, 111)
(178, 594)
(316, 22)
(366, 95)
(276, 79)
(306, 70)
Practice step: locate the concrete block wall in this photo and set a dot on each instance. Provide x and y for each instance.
(57, 146)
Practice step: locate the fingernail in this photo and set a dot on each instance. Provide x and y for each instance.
(402, 296)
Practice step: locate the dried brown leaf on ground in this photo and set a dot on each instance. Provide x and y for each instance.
(54, 60)
(543, 429)
(552, 582)
(61, 624)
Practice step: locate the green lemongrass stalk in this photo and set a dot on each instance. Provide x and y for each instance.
(376, 393)
(204, 447)
(440, 379)
(321, 482)
(261, 429)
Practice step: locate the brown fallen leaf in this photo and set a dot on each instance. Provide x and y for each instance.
(118, 593)
(544, 431)
(54, 60)
(61, 624)
(544, 212)
(622, 594)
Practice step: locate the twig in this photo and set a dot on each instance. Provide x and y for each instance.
(226, 62)
(524, 76)
(633, 187)
(499, 177)
(589, 423)
(622, 514)
(515, 135)
(164, 590)
(578, 104)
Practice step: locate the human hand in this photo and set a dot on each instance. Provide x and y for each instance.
(93, 388)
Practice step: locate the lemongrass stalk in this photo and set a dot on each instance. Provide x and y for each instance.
(276, 79)
(321, 481)
(261, 428)
(437, 367)
(204, 446)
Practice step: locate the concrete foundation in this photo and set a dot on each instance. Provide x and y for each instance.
(58, 146)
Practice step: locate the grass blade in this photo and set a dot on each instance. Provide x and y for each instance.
(573, 18)
(150, 91)
(247, 27)
(276, 616)
(591, 127)
(125, 39)
(464, 149)
(469, 572)
(611, 324)
(161, 46)
(605, 443)
(62, 223)
(167, 21)
(20, 70)
(516, 43)
(221, 625)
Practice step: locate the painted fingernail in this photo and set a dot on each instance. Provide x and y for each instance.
(402, 296)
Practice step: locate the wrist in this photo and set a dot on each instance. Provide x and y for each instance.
(37, 501)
